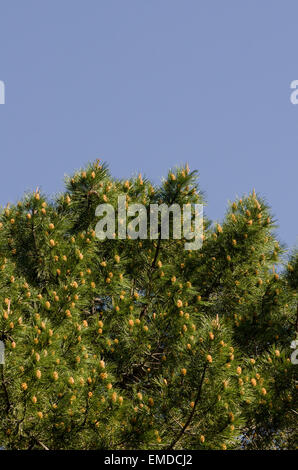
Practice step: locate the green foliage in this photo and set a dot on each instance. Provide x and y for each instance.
(140, 344)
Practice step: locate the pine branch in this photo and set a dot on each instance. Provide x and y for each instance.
(8, 404)
(180, 434)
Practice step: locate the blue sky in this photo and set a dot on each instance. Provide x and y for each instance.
(149, 84)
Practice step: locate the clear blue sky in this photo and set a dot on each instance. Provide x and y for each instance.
(148, 84)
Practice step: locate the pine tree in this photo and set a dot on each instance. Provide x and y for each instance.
(141, 344)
